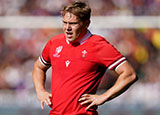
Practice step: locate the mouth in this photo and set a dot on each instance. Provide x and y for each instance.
(69, 34)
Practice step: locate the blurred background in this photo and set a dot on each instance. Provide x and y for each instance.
(20, 47)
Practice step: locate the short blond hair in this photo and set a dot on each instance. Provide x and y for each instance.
(79, 9)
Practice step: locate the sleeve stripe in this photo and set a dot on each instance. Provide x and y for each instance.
(120, 64)
(45, 63)
(117, 63)
(41, 61)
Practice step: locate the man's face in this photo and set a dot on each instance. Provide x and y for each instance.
(73, 27)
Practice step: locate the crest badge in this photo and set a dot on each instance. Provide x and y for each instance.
(58, 50)
(84, 52)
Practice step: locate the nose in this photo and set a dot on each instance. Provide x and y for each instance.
(68, 27)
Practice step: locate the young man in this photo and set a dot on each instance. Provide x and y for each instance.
(79, 60)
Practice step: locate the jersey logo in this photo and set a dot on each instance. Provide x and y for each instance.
(84, 52)
(67, 63)
(58, 50)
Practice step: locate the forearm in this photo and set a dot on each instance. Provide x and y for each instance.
(121, 85)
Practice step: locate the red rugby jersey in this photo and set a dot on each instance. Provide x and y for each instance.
(77, 69)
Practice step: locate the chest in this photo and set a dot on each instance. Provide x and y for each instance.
(80, 59)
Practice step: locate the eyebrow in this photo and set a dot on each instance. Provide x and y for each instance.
(71, 22)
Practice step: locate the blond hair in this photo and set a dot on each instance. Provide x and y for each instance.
(79, 9)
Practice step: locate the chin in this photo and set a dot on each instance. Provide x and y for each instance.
(70, 39)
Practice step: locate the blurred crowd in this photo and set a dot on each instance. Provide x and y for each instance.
(19, 48)
(99, 7)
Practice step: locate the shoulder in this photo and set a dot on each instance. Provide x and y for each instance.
(57, 38)
(100, 41)
(102, 46)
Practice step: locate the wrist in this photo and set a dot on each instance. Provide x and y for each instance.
(106, 96)
(40, 89)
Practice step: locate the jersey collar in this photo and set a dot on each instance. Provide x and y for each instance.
(84, 38)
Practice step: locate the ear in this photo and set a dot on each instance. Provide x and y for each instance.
(87, 23)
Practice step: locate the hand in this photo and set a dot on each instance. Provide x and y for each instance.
(44, 97)
(92, 100)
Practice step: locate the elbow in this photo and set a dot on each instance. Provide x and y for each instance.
(133, 77)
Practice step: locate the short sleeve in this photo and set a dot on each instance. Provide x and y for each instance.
(109, 55)
(44, 56)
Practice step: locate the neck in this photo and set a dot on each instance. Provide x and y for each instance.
(82, 34)
(77, 41)
(82, 38)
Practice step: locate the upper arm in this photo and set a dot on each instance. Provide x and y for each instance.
(39, 75)
(39, 65)
(126, 70)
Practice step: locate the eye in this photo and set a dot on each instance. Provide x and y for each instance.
(73, 23)
(64, 22)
